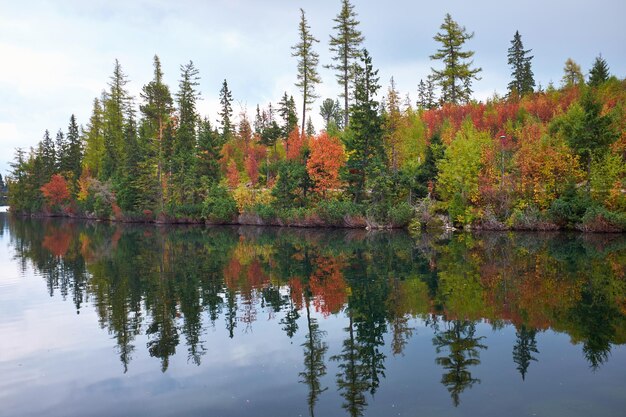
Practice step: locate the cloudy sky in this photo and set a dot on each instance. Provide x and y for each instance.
(55, 57)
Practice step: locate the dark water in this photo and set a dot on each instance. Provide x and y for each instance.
(122, 320)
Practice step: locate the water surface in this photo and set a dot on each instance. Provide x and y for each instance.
(118, 320)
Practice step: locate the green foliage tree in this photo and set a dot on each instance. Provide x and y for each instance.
(523, 81)
(209, 148)
(599, 72)
(331, 113)
(426, 99)
(346, 46)
(73, 154)
(455, 79)
(308, 60)
(94, 140)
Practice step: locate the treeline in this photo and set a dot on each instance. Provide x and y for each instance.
(534, 159)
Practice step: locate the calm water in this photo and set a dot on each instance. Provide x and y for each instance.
(122, 320)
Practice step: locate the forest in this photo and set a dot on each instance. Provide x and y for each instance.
(536, 158)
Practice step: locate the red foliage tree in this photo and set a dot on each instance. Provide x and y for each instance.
(56, 191)
(252, 168)
(232, 174)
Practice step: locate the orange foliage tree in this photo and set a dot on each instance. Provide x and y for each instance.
(295, 144)
(326, 159)
(56, 191)
(232, 174)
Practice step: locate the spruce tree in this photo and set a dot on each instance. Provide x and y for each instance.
(346, 46)
(209, 147)
(48, 158)
(226, 111)
(115, 104)
(455, 79)
(60, 147)
(364, 144)
(184, 146)
(599, 73)
(74, 152)
(287, 112)
(310, 129)
(331, 112)
(308, 60)
(157, 110)
(523, 81)
(94, 141)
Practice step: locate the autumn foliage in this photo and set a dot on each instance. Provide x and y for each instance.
(56, 191)
(326, 159)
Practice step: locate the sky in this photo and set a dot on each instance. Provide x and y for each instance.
(57, 56)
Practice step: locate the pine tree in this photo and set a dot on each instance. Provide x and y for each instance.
(599, 73)
(346, 46)
(455, 79)
(572, 75)
(157, 111)
(310, 129)
(115, 105)
(523, 81)
(392, 125)
(226, 111)
(364, 145)
(331, 113)
(307, 66)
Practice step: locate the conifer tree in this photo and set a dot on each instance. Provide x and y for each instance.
(209, 147)
(599, 73)
(60, 147)
(455, 79)
(572, 75)
(287, 112)
(74, 152)
(331, 112)
(115, 104)
(310, 129)
(226, 111)
(346, 46)
(523, 81)
(183, 159)
(47, 154)
(94, 140)
(308, 60)
(157, 109)
(364, 145)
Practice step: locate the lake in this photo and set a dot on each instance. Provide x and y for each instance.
(106, 319)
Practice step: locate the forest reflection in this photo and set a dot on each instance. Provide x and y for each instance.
(171, 283)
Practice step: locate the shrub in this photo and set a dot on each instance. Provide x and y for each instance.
(569, 209)
(599, 219)
(219, 206)
(401, 214)
(333, 212)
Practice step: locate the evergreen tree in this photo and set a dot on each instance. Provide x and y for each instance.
(572, 75)
(209, 147)
(455, 79)
(183, 160)
(74, 153)
(346, 46)
(310, 129)
(392, 122)
(599, 73)
(157, 109)
(60, 147)
(94, 141)
(259, 123)
(226, 112)
(129, 192)
(523, 81)
(331, 113)
(115, 104)
(47, 155)
(307, 66)
(287, 112)
(364, 145)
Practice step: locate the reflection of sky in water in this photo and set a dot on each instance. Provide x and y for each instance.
(55, 362)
